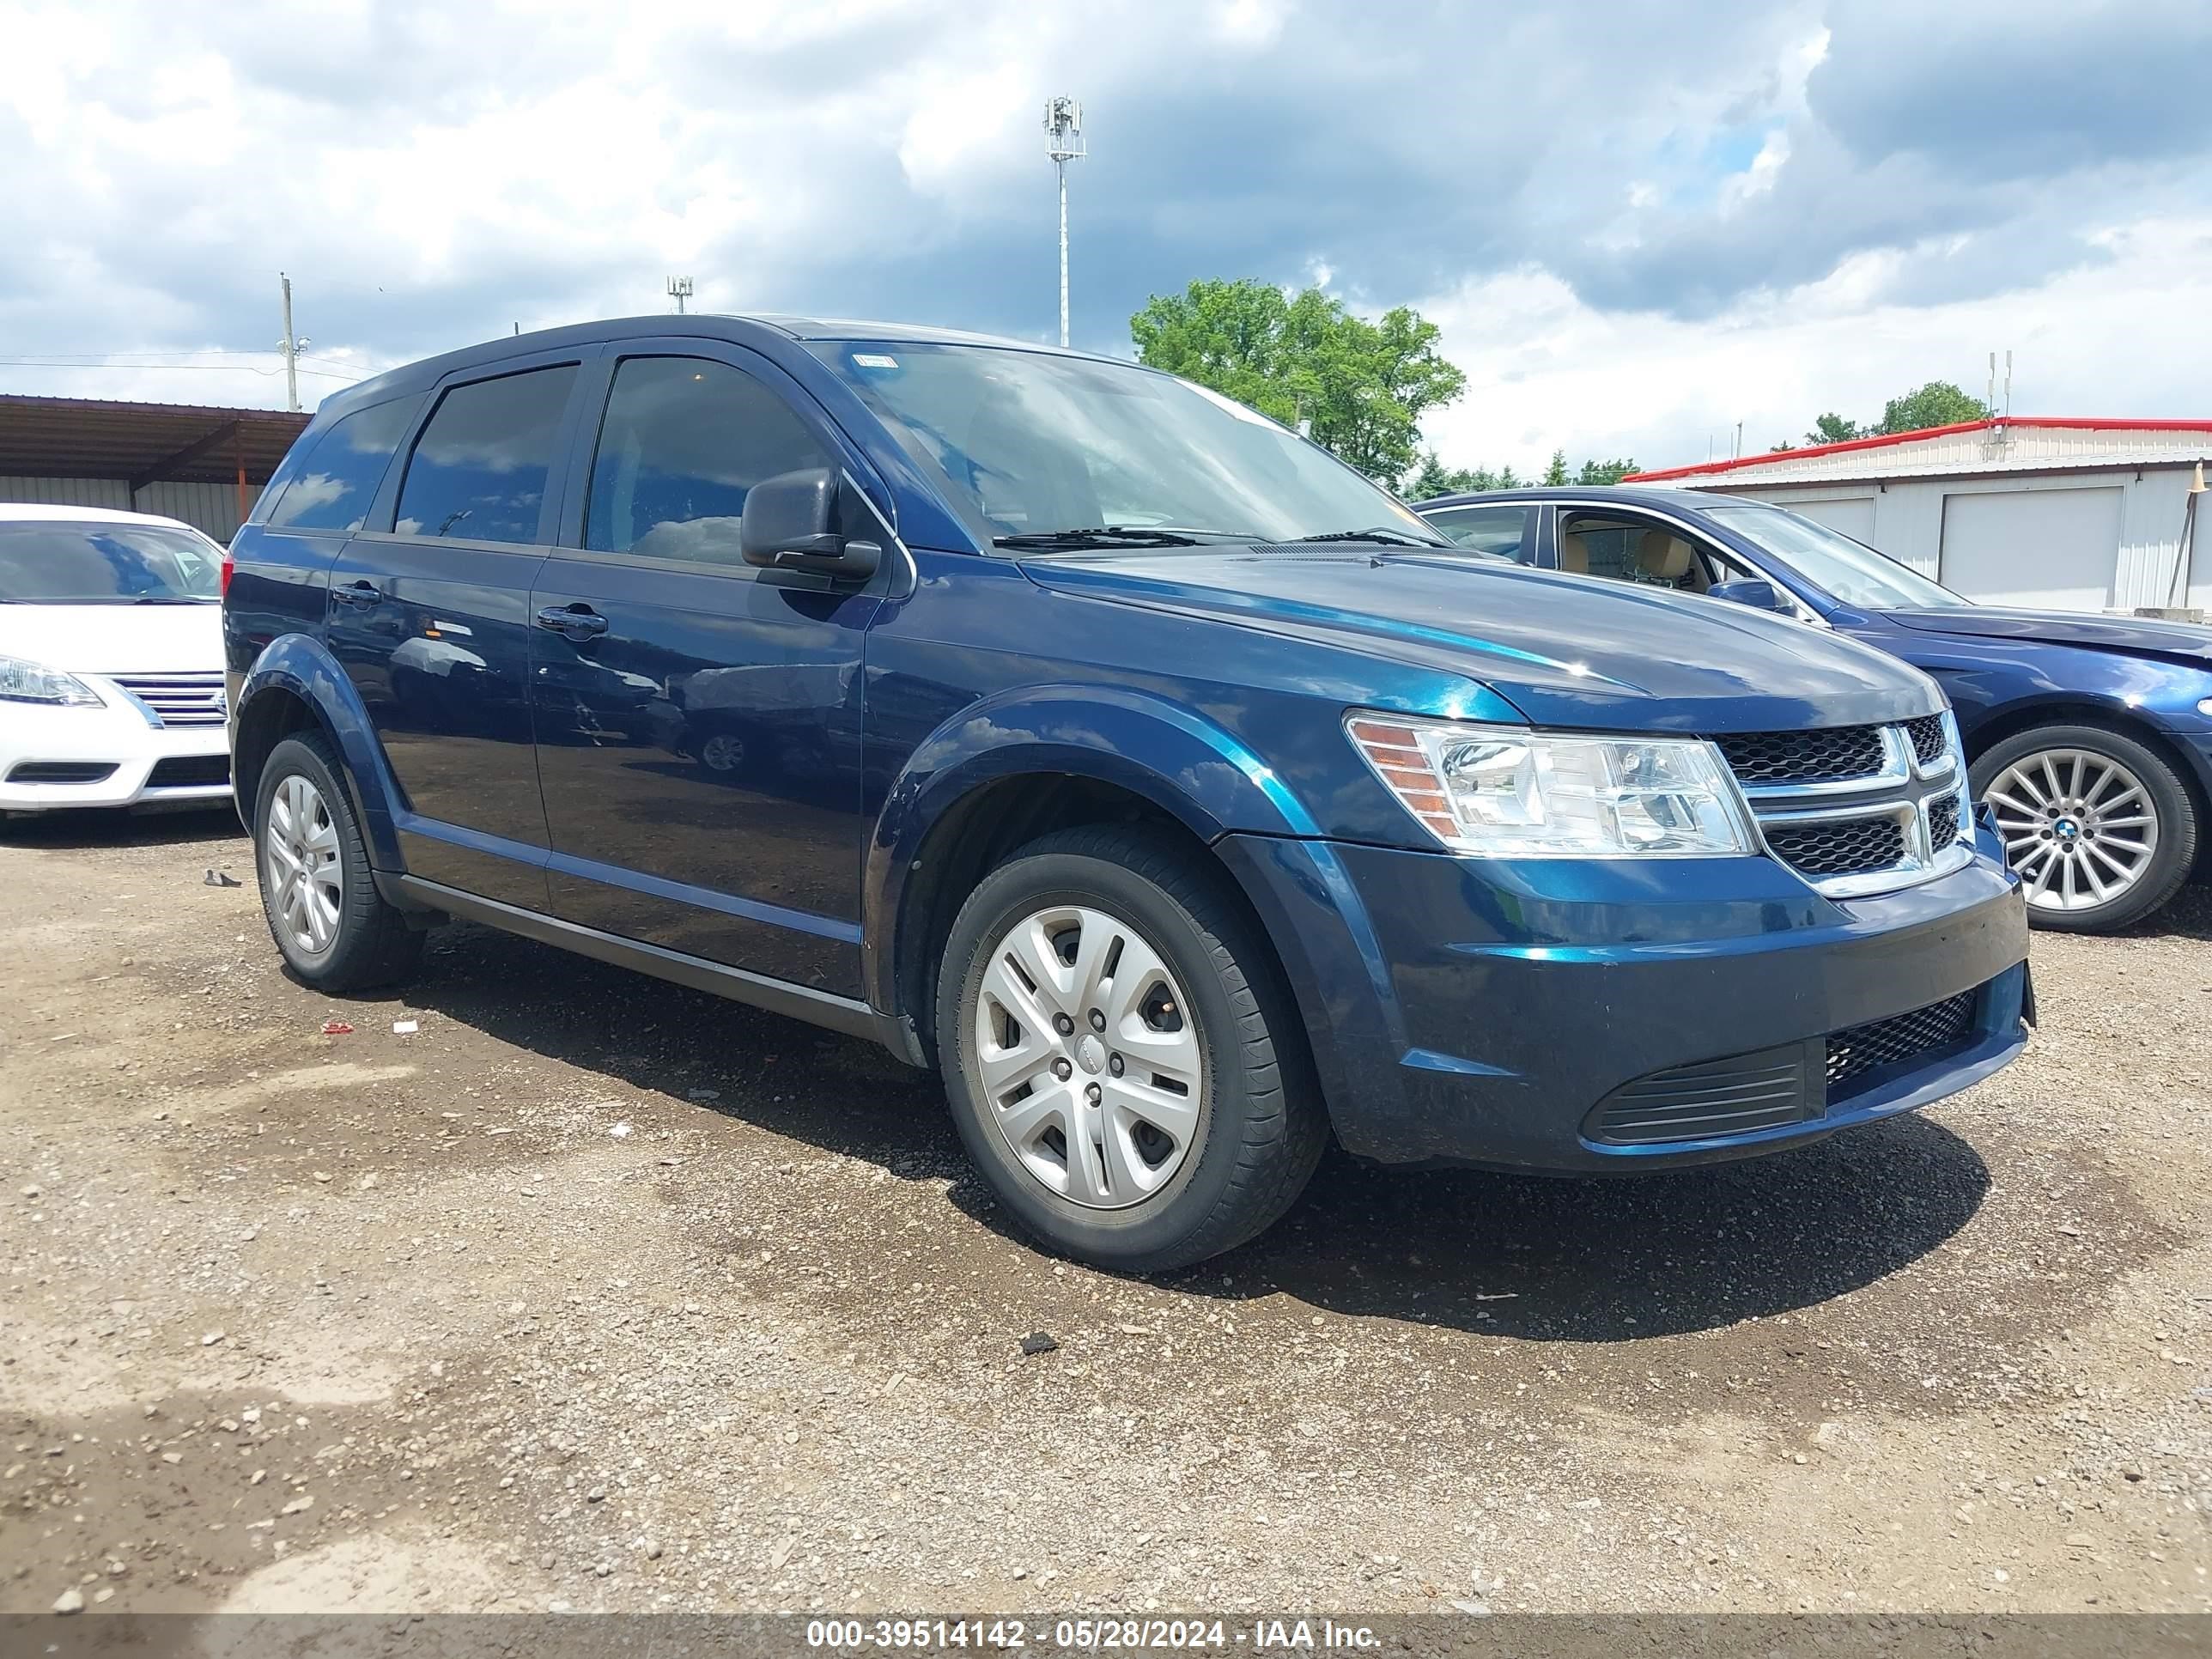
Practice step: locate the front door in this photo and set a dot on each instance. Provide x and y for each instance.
(431, 620)
(698, 728)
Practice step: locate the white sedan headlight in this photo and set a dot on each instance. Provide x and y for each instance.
(1507, 791)
(29, 682)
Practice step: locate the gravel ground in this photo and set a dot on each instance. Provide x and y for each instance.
(593, 1292)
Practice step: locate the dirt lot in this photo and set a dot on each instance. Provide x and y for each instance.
(591, 1291)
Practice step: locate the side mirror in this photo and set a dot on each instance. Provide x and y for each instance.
(1759, 595)
(790, 522)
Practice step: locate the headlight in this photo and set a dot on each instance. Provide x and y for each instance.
(2205, 706)
(28, 682)
(1506, 791)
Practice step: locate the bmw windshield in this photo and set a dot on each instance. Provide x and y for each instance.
(1850, 570)
(1038, 452)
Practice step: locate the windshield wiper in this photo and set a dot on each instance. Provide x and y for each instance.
(1104, 535)
(1379, 533)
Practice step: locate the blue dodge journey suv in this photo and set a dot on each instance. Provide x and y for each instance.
(1071, 729)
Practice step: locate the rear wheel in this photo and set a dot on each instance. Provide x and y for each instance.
(333, 927)
(2102, 830)
(1122, 1060)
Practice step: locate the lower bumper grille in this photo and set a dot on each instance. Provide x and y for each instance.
(1920, 1034)
(1723, 1097)
(189, 772)
(1795, 1083)
(61, 771)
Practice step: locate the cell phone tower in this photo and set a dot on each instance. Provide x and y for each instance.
(1063, 125)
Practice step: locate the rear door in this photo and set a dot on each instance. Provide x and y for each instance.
(698, 720)
(429, 614)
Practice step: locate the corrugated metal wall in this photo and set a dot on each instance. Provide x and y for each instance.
(209, 507)
(1908, 523)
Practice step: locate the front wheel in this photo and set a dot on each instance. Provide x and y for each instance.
(1122, 1060)
(2102, 830)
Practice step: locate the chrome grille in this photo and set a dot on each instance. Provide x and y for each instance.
(1847, 847)
(1860, 1049)
(1838, 752)
(1943, 822)
(1928, 738)
(177, 699)
(1857, 810)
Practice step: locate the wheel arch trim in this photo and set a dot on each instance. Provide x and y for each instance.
(303, 668)
(1202, 776)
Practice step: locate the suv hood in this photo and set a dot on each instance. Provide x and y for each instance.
(1568, 651)
(2145, 633)
(115, 639)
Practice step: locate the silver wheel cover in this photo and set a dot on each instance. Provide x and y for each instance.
(1086, 1058)
(2078, 827)
(300, 866)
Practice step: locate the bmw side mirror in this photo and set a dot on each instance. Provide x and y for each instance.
(1759, 595)
(791, 523)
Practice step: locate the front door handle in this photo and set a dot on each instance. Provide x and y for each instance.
(360, 593)
(577, 621)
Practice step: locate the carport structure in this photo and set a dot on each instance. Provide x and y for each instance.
(202, 464)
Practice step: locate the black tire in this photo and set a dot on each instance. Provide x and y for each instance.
(1261, 1127)
(371, 944)
(2170, 802)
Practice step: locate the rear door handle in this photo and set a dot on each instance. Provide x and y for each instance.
(362, 594)
(578, 621)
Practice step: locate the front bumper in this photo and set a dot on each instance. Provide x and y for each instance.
(57, 758)
(1477, 1011)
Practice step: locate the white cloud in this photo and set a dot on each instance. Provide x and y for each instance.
(1545, 371)
(432, 174)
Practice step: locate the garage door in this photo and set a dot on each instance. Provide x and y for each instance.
(1853, 517)
(2055, 547)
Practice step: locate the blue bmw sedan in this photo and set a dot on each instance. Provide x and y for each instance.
(2089, 737)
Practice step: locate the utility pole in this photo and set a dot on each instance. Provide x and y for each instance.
(679, 290)
(1063, 125)
(291, 347)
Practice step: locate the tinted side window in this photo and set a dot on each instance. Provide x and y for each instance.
(1485, 529)
(683, 441)
(336, 481)
(478, 470)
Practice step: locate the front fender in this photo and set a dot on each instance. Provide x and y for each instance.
(304, 667)
(1207, 779)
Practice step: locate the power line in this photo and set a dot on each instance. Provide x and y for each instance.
(222, 368)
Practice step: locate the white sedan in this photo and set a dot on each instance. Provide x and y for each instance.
(111, 661)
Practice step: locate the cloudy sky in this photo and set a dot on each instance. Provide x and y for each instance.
(1637, 224)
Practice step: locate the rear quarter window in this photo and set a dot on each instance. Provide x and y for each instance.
(332, 485)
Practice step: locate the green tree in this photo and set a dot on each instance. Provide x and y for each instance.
(1833, 429)
(1937, 403)
(1361, 387)
(1556, 473)
(1784, 445)
(1604, 472)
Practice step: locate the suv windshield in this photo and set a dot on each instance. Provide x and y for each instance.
(87, 561)
(1850, 570)
(1035, 449)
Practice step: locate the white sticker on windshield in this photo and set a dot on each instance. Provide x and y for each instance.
(1238, 410)
(873, 360)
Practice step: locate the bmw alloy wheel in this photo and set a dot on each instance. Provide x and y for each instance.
(2080, 827)
(1088, 1061)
